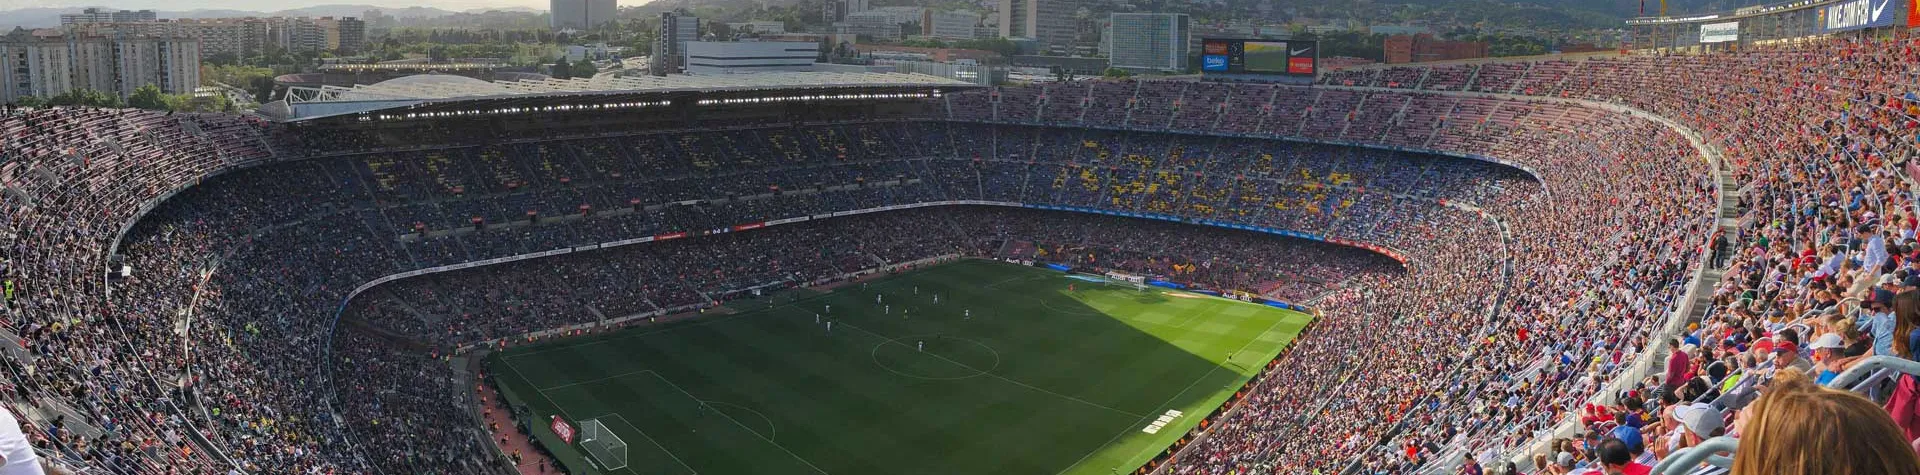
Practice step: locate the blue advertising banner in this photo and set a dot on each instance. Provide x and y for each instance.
(1213, 62)
(1858, 14)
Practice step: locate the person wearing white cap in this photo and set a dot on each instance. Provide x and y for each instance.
(1827, 357)
(1698, 422)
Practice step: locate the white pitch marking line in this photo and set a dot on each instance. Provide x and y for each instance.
(742, 426)
(1177, 395)
(999, 377)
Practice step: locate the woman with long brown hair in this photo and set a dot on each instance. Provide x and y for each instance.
(1904, 404)
(1799, 428)
(1906, 323)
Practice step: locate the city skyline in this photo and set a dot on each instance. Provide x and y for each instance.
(255, 5)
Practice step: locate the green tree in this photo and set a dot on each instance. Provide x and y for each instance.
(30, 101)
(583, 69)
(223, 59)
(262, 88)
(924, 43)
(560, 69)
(86, 97)
(998, 45)
(1117, 73)
(235, 75)
(148, 97)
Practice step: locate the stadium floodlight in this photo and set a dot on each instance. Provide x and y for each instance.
(605, 447)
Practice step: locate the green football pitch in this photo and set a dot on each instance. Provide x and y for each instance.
(1040, 379)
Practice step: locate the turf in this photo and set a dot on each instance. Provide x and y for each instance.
(1041, 379)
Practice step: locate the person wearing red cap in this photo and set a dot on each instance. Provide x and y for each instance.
(1787, 355)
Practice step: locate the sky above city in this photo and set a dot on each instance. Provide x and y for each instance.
(268, 5)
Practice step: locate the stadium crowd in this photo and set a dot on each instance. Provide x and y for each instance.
(1498, 380)
(229, 287)
(1520, 299)
(1819, 136)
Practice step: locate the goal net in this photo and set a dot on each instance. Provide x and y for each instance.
(605, 447)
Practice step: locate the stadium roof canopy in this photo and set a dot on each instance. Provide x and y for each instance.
(445, 92)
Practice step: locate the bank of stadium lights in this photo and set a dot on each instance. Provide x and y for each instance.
(515, 110)
(817, 98)
(640, 104)
(1671, 20)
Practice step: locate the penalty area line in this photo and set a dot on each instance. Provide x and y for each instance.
(1164, 405)
(737, 422)
(656, 443)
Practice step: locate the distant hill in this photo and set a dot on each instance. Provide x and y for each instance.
(506, 9)
(357, 10)
(1631, 8)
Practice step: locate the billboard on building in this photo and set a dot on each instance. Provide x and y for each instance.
(1720, 32)
(1267, 57)
(1858, 14)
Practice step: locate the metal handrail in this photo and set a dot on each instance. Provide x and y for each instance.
(1683, 461)
(1860, 378)
(1872, 370)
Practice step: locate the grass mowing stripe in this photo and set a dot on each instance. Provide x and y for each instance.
(656, 444)
(1176, 396)
(543, 394)
(742, 426)
(1075, 368)
(591, 381)
(1002, 378)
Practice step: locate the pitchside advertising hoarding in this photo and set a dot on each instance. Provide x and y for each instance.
(1245, 56)
(562, 428)
(1721, 32)
(1859, 14)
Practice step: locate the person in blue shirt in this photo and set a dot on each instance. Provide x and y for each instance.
(1826, 354)
(1629, 434)
(1879, 321)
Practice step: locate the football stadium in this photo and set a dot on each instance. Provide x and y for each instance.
(1693, 258)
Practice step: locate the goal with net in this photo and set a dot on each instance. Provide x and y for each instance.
(605, 447)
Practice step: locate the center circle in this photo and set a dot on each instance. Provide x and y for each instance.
(944, 358)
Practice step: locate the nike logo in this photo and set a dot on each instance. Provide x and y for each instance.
(1881, 8)
(1303, 50)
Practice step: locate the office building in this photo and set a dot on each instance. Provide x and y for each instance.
(835, 11)
(872, 24)
(581, 14)
(903, 14)
(741, 57)
(1149, 41)
(670, 43)
(955, 25)
(1048, 22)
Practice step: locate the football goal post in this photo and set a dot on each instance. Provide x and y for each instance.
(606, 448)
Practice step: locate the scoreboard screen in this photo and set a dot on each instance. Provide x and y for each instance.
(1242, 56)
